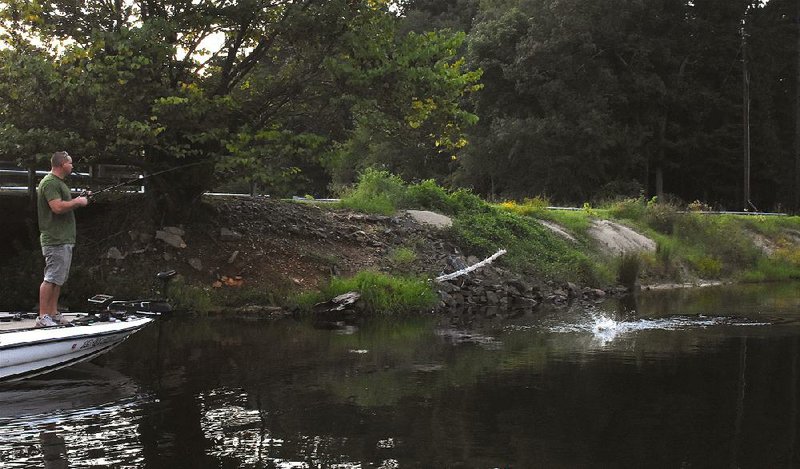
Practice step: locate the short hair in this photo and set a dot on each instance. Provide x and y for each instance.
(59, 158)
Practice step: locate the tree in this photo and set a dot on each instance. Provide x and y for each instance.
(581, 96)
(139, 82)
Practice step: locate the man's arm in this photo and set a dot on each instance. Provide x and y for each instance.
(59, 206)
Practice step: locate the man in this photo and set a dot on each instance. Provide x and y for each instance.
(57, 227)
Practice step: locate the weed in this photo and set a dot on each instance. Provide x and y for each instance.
(661, 217)
(529, 207)
(630, 209)
(376, 192)
(628, 267)
(187, 297)
(706, 266)
(402, 256)
(384, 293)
(428, 195)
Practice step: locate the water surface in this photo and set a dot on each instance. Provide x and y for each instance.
(688, 378)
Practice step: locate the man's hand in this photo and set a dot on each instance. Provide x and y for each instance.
(82, 201)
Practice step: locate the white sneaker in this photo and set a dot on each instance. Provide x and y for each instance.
(45, 321)
(58, 319)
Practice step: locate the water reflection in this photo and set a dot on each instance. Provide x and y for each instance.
(54, 448)
(697, 384)
(66, 419)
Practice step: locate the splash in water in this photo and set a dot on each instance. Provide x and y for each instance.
(605, 329)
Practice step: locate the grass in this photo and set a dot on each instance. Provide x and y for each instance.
(380, 293)
(689, 242)
(402, 256)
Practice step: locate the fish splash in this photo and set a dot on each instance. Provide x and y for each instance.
(605, 329)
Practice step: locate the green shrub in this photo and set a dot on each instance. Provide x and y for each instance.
(771, 270)
(376, 192)
(428, 195)
(384, 293)
(706, 266)
(719, 237)
(661, 217)
(464, 201)
(630, 209)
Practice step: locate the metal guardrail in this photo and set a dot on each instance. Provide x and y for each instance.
(16, 181)
(701, 212)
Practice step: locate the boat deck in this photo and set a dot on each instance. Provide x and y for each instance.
(28, 321)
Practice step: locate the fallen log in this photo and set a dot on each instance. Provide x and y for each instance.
(466, 270)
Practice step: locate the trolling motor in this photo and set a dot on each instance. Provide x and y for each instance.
(108, 307)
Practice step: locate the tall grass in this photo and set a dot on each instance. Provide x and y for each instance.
(384, 293)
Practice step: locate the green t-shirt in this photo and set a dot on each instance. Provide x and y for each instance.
(55, 229)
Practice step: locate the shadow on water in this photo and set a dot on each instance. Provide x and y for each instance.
(683, 381)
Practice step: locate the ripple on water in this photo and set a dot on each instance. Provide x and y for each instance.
(606, 329)
(87, 415)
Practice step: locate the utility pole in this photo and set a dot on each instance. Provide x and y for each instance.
(746, 115)
(797, 116)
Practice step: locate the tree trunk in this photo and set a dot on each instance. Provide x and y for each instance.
(660, 183)
(797, 117)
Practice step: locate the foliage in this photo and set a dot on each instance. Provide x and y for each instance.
(595, 101)
(381, 192)
(661, 217)
(376, 192)
(530, 207)
(631, 209)
(628, 267)
(385, 294)
(530, 246)
(267, 88)
(185, 296)
(431, 196)
(402, 256)
(705, 233)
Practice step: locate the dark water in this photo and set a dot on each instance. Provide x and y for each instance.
(703, 378)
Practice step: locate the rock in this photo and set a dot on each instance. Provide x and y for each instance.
(196, 263)
(226, 234)
(339, 303)
(456, 262)
(172, 239)
(174, 230)
(492, 298)
(115, 254)
(430, 218)
(595, 293)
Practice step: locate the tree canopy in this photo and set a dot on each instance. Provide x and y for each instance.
(513, 98)
(267, 90)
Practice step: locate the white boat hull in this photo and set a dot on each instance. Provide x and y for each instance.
(31, 352)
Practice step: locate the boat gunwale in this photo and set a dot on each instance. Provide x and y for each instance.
(140, 323)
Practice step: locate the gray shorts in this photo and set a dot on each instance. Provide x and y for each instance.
(57, 260)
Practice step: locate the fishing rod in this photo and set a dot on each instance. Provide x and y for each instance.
(141, 178)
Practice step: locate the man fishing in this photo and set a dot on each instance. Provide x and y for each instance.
(57, 227)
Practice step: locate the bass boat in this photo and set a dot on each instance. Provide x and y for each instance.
(26, 350)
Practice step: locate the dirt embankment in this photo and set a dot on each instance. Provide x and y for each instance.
(264, 245)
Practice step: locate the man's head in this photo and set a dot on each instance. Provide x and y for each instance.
(61, 163)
